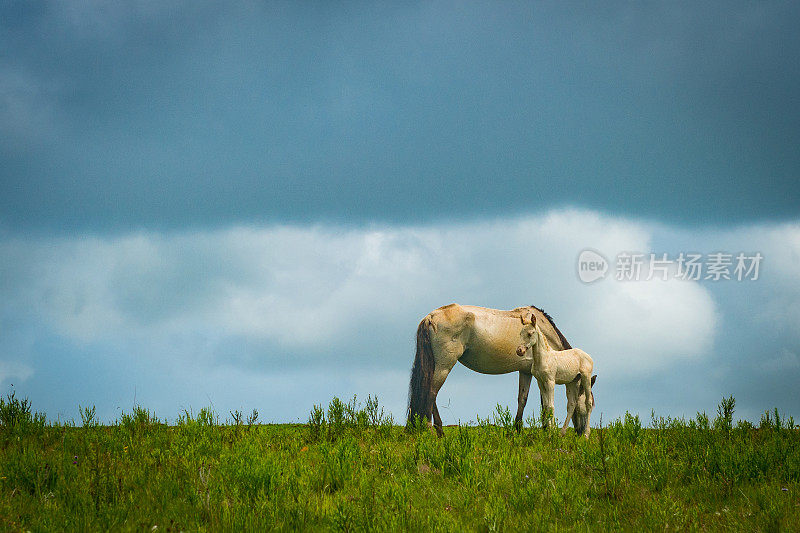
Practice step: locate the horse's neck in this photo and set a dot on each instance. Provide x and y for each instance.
(541, 349)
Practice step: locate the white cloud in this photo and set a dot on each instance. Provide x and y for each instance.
(11, 371)
(238, 314)
(780, 270)
(310, 289)
(772, 302)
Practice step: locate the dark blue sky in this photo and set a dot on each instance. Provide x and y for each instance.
(159, 117)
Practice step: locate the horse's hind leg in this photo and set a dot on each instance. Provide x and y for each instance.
(446, 357)
(522, 397)
(439, 375)
(437, 420)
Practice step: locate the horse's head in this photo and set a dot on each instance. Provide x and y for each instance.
(579, 415)
(529, 335)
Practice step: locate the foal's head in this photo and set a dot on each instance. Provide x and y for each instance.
(529, 336)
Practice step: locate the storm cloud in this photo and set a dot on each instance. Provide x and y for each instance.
(151, 116)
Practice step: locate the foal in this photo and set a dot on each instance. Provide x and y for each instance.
(572, 368)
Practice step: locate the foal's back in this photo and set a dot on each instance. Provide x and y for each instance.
(570, 363)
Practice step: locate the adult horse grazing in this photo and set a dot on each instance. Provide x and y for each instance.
(483, 340)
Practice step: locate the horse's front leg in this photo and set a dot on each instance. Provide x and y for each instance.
(522, 397)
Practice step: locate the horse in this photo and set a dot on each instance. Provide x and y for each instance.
(571, 367)
(483, 340)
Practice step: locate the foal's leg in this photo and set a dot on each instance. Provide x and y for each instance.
(572, 391)
(546, 390)
(522, 397)
(551, 401)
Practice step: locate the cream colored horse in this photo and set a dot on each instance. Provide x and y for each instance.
(483, 340)
(572, 367)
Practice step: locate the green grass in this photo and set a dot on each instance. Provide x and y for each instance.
(350, 468)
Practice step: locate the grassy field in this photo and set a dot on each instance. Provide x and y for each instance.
(351, 468)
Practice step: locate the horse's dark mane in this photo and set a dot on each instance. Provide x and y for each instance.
(565, 343)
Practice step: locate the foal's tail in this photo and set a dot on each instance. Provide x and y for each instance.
(419, 390)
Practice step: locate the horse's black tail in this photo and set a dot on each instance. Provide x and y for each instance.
(419, 389)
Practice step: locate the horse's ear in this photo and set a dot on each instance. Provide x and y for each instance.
(469, 318)
(594, 378)
(528, 319)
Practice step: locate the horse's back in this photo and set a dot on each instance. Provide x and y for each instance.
(451, 319)
(455, 318)
(488, 337)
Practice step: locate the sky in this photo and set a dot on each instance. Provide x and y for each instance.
(253, 205)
